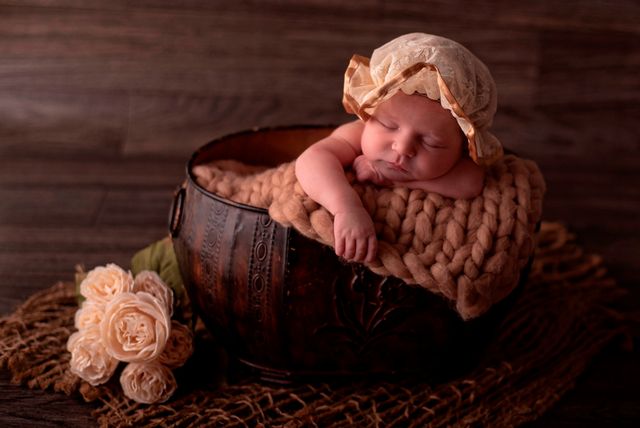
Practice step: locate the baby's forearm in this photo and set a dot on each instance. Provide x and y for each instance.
(322, 177)
(320, 172)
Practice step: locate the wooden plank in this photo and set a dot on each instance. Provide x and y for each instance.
(573, 130)
(178, 125)
(160, 50)
(135, 207)
(576, 14)
(61, 264)
(588, 67)
(33, 257)
(150, 171)
(618, 16)
(47, 206)
(45, 123)
(36, 238)
(73, 206)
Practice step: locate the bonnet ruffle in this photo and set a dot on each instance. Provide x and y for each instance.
(434, 66)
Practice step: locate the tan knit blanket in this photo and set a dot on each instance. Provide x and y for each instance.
(470, 251)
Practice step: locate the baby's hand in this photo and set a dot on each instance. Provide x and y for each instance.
(355, 236)
(366, 171)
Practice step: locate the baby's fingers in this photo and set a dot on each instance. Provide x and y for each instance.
(372, 249)
(339, 246)
(350, 247)
(361, 250)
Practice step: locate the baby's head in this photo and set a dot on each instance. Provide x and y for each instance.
(411, 138)
(437, 68)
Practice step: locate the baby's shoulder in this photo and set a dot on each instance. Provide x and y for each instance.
(350, 132)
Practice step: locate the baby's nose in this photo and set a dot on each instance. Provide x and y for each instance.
(404, 145)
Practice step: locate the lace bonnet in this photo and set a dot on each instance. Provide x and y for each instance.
(437, 67)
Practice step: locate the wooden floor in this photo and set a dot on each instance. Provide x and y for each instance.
(102, 102)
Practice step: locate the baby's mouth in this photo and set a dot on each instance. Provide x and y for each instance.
(396, 166)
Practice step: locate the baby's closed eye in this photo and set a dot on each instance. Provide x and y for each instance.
(386, 123)
(430, 143)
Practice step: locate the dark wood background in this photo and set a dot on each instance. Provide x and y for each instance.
(102, 103)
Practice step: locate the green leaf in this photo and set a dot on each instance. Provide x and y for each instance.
(161, 258)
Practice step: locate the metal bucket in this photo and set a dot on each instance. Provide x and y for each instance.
(287, 305)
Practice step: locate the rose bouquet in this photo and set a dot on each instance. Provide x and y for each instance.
(129, 319)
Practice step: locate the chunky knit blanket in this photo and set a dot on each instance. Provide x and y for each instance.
(470, 251)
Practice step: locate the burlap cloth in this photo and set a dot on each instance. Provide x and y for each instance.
(563, 317)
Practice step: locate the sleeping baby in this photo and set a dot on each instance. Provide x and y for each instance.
(425, 104)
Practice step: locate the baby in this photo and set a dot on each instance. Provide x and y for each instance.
(419, 99)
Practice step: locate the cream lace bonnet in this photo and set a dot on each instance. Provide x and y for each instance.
(437, 67)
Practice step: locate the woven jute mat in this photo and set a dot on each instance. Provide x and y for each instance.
(562, 318)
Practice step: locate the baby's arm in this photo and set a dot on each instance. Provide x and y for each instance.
(465, 180)
(320, 171)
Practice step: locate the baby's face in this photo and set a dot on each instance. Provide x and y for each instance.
(410, 137)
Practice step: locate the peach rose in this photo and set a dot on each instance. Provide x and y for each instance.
(89, 359)
(135, 327)
(179, 346)
(90, 313)
(151, 283)
(104, 282)
(148, 382)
